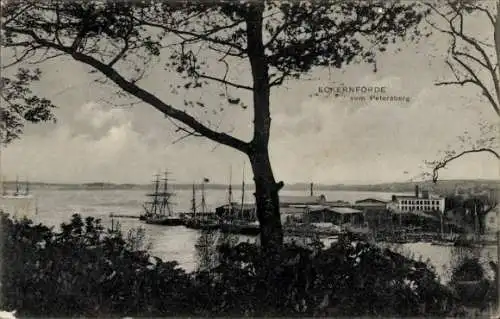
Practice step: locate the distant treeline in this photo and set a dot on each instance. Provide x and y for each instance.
(442, 187)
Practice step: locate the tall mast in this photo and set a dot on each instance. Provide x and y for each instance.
(17, 185)
(230, 191)
(242, 190)
(193, 202)
(203, 198)
(155, 194)
(165, 196)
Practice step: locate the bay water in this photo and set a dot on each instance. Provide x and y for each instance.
(56, 206)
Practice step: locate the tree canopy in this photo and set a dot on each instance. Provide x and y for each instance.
(473, 60)
(278, 40)
(119, 39)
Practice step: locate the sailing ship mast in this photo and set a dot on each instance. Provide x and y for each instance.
(17, 186)
(193, 202)
(203, 204)
(230, 191)
(165, 203)
(155, 194)
(242, 190)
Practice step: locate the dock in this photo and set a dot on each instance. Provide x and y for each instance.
(112, 215)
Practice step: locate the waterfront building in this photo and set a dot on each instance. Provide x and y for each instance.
(293, 214)
(375, 211)
(286, 201)
(370, 204)
(420, 202)
(341, 216)
(292, 208)
(338, 203)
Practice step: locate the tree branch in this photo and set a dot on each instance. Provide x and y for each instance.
(140, 93)
(197, 36)
(225, 82)
(443, 163)
(483, 61)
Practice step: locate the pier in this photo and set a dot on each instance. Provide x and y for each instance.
(113, 215)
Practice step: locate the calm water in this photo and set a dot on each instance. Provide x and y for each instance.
(178, 243)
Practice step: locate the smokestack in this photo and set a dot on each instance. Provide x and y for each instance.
(311, 189)
(416, 191)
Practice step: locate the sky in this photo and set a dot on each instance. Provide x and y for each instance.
(316, 138)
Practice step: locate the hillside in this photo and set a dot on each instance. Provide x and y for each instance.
(443, 187)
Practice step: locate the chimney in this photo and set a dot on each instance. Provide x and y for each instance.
(416, 191)
(311, 189)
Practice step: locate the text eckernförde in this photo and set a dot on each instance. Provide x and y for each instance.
(352, 89)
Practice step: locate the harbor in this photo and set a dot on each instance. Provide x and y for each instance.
(314, 216)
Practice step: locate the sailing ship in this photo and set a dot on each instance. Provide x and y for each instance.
(19, 204)
(201, 219)
(235, 221)
(158, 210)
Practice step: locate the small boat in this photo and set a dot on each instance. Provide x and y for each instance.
(442, 243)
(202, 224)
(201, 220)
(467, 243)
(158, 211)
(235, 223)
(243, 228)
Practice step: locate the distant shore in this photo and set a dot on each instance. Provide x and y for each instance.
(443, 186)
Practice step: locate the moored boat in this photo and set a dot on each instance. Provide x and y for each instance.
(158, 211)
(243, 228)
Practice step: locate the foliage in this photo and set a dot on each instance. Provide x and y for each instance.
(85, 270)
(470, 282)
(472, 59)
(472, 211)
(20, 105)
(278, 40)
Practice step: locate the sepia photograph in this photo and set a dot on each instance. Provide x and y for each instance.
(249, 158)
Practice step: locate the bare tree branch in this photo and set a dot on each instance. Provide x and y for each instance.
(442, 164)
(195, 37)
(138, 92)
(465, 59)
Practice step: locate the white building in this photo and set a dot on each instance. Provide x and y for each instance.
(423, 202)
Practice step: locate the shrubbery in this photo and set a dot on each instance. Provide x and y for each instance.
(471, 285)
(86, 270)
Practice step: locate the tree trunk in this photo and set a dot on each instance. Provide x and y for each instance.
(267, 200)
(266, 188)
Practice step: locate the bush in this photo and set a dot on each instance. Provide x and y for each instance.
(471, 285)
(85, 270)
(349, 279)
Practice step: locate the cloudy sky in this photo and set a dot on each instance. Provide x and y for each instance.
(322, 138)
